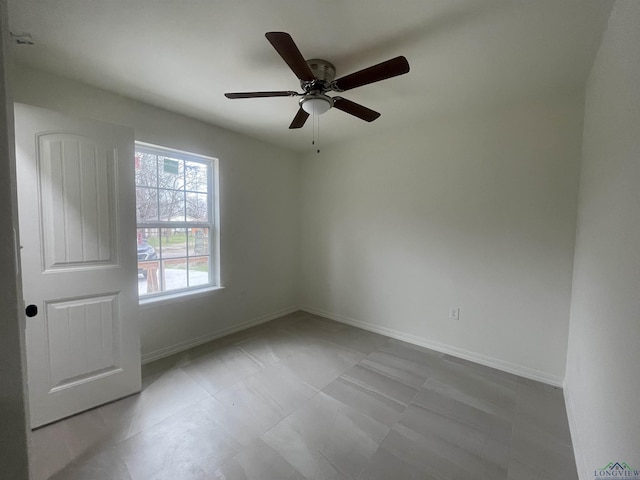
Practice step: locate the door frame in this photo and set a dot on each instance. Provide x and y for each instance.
(14, 435)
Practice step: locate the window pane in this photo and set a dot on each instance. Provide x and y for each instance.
(150, 236)
(174, 243)
(197, 207)
(146, 169)
(149, 277)
(148, 265)
(173, 189)
(172, 205)
(198, 271)
(146, 204)
(174, 273)
(196, 177)
(198, 241)
(171, 173)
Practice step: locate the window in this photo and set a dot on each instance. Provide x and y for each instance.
(177, 234)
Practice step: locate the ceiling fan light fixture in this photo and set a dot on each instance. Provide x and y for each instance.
(316, 104)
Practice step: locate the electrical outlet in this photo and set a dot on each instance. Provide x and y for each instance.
(454, 313)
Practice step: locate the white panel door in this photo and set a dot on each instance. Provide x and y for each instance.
(76, 203)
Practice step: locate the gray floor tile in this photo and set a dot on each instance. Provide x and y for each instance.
(398, 368)
(327, 439)
(411, 452)
(233, 421)
(386, 466)
(257, 462)
(463, 384)
(541, 451)
(315, 328)
(455, 411)
(407, 363)
(354, 339)
(102, 465)
(49, 452)
(414, 353)
(320, 363)
(186, 442)
(221, 368)
(315, 324)
(267, 397)
(180, 470)
(85, 432)
(271, 346)
(153, 370)
(83, 435)
(168, 394)
(471, 449)
(483, 370)
(303, 397)
(380, 407)
(380, 383)
(520, 471)
(543, 408)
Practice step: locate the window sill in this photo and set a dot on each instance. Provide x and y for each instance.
(154, 302)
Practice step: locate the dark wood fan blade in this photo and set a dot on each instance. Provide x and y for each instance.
(299, 119)
(286, 47)
(382, 71)
(355, 109)
(260, 94)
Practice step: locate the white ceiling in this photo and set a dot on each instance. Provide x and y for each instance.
(183, 55)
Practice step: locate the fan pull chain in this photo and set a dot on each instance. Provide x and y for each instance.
(318, 150)
(316, 138)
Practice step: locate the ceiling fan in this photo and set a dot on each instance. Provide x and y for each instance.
(317, 78)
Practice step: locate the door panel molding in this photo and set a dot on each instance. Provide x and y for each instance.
(77, 192)
(84, 338)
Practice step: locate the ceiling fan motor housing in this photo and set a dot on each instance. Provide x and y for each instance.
(324, 72)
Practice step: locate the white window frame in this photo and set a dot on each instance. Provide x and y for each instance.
(212, 223)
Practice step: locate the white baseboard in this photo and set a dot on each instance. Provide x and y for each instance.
(423, 342)
(186, 345)
(441, 347)
(578, 453)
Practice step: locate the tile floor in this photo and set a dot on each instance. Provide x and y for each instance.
(303, 397)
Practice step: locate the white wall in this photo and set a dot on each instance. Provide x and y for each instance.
(602, 379)
(476, 211)
(258, 209)
(13, 421)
